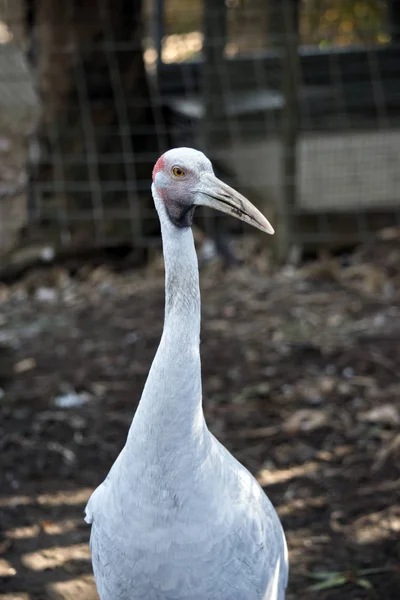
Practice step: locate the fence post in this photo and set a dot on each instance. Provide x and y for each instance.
(158, 31)
(214, 30)
(394, 20)
(289, 126)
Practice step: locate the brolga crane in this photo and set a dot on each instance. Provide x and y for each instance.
(178, 517)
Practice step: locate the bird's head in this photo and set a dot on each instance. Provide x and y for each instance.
(184, 178)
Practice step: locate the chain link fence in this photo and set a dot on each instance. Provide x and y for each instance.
(296, 102)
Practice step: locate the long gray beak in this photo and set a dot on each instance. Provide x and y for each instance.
(217, 194)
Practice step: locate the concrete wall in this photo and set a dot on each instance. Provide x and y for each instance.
(337, 171)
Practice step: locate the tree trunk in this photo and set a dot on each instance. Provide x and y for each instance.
(19, 115)
(98, 130)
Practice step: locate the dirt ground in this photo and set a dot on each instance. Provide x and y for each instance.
(301, 371)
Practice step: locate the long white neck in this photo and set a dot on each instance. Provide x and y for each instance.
(170, 413)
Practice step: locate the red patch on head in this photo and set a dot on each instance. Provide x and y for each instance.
(158, 166)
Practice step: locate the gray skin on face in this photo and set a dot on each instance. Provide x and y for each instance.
(177, 176)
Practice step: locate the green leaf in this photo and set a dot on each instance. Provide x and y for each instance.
(329, 583)
(364, 583)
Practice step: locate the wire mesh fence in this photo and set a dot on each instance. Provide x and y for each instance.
(297, 104)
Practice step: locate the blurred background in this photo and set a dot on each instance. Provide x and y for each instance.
(297, 103)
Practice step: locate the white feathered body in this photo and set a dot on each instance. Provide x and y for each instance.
(216, 538)
(178, 518)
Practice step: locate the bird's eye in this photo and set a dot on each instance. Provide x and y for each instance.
(178, 172)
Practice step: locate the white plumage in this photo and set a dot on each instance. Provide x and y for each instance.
(178, 518)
